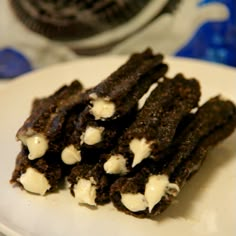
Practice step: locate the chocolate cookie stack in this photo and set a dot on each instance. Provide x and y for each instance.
(109, 148)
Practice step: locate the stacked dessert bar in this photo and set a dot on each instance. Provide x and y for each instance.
(111, 148)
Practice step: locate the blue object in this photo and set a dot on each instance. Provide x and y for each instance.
(13, 63)
(214, 41)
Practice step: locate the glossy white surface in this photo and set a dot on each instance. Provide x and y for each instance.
(92, 135)
(34, 181)
(116, 164)
(85, 192)
(102, 109)
(37, 145)
(70, 155)
(206, 206)
(141, 150)
(156, 188)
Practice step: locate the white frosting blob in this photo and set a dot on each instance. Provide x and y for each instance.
(141, 150)
(116, 164)
(102, 108)
(85, 192)
(156, 188)
(34, 181)
(92, 135)
(70, 155)
(134, 202)
(37, 145)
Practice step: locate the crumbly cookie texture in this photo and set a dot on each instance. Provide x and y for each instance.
(154, 127)
(42, 131)
(159, 182)
(109, 148)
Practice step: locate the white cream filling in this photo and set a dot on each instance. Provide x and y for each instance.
(92, 135)
(70, 155)
(37, 145)
(157, 187)
(34, 181)
(134, 202)
(101, 107)
(141, 150)
(85, 191)
(116, 164)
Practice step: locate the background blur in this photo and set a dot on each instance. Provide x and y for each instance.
(202, 29)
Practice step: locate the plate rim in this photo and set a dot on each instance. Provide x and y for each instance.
(87, 59)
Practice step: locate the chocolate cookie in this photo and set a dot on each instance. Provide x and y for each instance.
(38, 176)
(155, 125)
(42, 130)
(90, 184)
(113, 103)
(67, 20)
(153, 188)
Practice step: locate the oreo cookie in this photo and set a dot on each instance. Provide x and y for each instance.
(69, 20)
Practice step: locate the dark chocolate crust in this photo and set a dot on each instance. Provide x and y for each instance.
(76, 125)
(124, 87)
(103, 181)
(164, 109)
(179, 138)
(48, 115)
(213, 122)
(50, 166)
(158, 120)
(191, 165)
(213, 114)
(131, 81)
(112, 129)
(47, 106)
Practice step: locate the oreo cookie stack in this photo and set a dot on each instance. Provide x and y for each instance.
(109, 148)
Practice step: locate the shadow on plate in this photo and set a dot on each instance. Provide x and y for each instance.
(217, 159)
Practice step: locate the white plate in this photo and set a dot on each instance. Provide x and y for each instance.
(206, 206)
